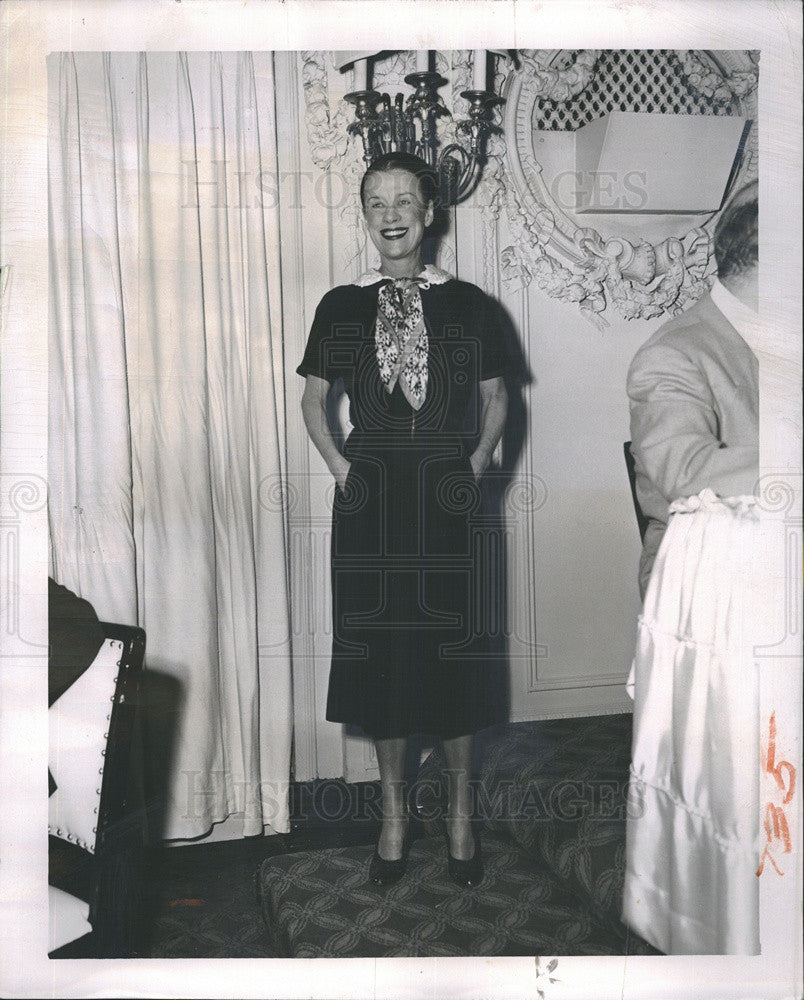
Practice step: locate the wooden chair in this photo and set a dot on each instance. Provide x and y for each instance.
(95, 822)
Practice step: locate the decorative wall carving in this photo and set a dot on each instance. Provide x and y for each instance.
(710, 81)
(723, 85)
(332, 149)
(558, 84)
(326, 126)
(566, 259)
(574, 262)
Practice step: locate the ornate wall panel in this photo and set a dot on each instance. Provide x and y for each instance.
(555, 91)
(560, 91)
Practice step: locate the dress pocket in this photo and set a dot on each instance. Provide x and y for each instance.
(458, 492)
(352, 498)
(342, 492)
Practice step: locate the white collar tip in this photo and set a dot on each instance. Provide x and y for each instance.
(430, 275)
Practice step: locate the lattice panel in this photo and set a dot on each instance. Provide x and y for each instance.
(646, 80)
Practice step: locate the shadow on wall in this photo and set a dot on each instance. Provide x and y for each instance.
(496, 556)
(161, 702)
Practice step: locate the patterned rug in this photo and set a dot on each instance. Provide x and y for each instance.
(201, 901)
(321, 904)
(553, 860)
(559, 790)
(552, 799)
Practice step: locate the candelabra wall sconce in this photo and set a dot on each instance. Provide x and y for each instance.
(409, 124)
(553, 209)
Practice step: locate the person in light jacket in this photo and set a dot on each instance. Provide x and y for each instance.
(693, 387)
(693, 825)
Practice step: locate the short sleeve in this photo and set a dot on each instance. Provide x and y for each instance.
(317, 358)
(494, 361)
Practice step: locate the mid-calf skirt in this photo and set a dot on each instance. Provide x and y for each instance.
(692, 831)
(408, 650)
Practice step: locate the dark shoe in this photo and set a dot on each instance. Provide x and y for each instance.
(466, 873)
(382, 872)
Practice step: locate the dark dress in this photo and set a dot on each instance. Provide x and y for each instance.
(408, 651)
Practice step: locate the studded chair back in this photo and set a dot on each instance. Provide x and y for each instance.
(95, 835)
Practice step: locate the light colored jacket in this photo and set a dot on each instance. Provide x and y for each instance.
(694, 397)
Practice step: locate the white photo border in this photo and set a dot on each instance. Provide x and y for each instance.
(30, 30)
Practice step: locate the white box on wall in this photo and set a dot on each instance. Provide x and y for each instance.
(642, 163)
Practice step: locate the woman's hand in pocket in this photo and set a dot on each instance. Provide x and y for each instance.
(479, 462)
(341, 473)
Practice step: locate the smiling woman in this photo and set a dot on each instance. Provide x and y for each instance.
(398, 207)
(412, 346)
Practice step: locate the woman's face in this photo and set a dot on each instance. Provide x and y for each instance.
(396, 218)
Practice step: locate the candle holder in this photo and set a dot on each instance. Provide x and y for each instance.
(399, 125)
(367, 120)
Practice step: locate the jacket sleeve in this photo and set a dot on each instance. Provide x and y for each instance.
(674, 429)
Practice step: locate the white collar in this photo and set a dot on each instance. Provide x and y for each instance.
(431, 275)
(742, 317)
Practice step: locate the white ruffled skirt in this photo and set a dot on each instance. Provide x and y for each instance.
(691, 859)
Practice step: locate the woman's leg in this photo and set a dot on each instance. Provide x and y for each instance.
(391, 761)
(459, 753)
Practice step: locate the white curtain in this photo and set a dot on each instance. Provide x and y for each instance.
(167, 431)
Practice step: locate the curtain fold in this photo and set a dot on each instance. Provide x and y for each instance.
(167, 415)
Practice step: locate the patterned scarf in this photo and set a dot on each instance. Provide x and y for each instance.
(400, 337)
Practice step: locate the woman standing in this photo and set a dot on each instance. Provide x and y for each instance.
(411, 344)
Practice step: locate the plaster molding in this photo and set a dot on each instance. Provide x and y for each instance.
(332, 150)
(552, 84)
(490, 194)
(719, 87)
(729, 76)
(326, 127)
(575, 263)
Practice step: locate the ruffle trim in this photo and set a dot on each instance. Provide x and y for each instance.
(431, 275)
(729, 843)
(652, 627)
(706, 500)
